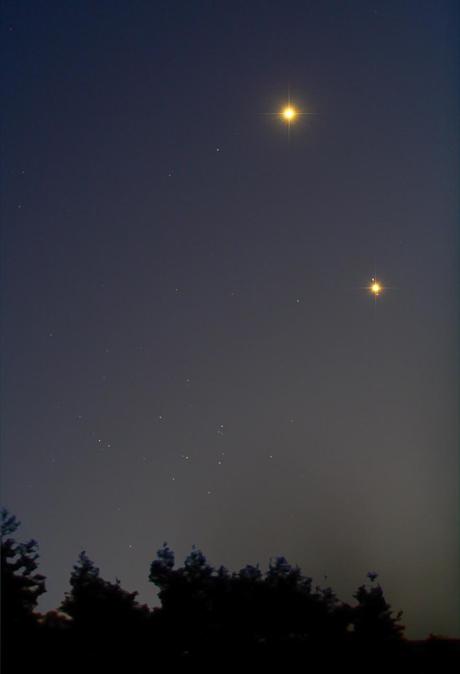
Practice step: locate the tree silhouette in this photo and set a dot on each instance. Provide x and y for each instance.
(106, 618)
(208, 616)
(21, 587)
(95, 601)
(209, 610)
(373, 617)
(188, 600)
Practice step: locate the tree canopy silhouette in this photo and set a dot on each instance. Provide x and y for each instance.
(105, 617)
(208, 616)
(271, 613)
(373, 616)
(95, 601)
(21, 585)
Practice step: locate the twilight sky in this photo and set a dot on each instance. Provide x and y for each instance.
(189, 351)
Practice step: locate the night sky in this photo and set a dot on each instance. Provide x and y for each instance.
(191, 353)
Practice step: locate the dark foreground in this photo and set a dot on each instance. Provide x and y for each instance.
(210, 619)
(67, 651)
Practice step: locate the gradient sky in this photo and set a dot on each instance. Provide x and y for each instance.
(189, 351)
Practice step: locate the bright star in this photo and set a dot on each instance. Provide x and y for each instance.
(375, 287)
(289, 113)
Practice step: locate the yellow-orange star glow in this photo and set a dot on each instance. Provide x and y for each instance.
(375, 288)
(289, 113)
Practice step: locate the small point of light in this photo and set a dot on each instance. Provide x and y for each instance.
(376, 288)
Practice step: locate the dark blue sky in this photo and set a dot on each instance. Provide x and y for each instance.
(189, 350)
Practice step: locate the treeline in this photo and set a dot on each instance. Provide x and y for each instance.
(208, 618)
